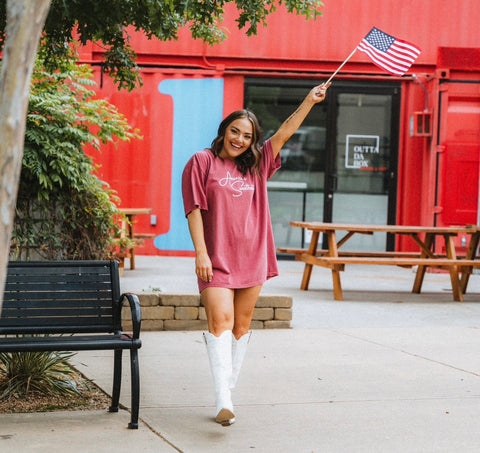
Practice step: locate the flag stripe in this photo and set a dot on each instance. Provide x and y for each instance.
(407, 46)
(401, 52)
(392, 54)
(383, 56)
(387, 59)
(385, 64)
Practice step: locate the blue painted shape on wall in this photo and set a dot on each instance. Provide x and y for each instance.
(197, 112)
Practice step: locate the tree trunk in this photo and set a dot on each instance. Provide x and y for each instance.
(25, 21)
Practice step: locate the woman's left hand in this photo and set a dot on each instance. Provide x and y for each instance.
(319, 92)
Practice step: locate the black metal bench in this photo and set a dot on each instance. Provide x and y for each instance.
(71, 306)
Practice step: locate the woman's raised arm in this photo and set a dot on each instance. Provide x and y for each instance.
(293, 122)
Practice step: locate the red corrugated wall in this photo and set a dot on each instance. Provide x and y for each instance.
(288, 47)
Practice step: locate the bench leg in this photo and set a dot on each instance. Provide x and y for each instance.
(464, 279)
(337, 285)
(333, 251)
(117, 380)
(135, 376)
(307, 273)
(312, 251)
(132, 258)
(420, 275)
(471, 253)
(457, 292)
(454, 275)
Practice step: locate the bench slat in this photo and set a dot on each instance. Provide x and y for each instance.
(50, 304)
(49, 329)
(58, 321)
(78, 342)
(40, 278)
(55, 299)
(429, 262)
(37, 269)
(57, 312)
(342, 253)
(57, 286)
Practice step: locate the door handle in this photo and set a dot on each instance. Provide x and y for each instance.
(333, 183)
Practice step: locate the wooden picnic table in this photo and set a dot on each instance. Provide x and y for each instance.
(128, 230)
(336, 258)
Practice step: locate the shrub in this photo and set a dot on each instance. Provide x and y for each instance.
(45, 372)
(64, 211)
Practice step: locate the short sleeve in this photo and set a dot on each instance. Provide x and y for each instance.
(269, 164)
(194, 182)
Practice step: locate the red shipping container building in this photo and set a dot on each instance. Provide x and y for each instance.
(380, 149)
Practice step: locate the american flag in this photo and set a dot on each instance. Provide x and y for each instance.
(392, 54)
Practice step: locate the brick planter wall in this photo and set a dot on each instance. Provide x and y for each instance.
(184, 312)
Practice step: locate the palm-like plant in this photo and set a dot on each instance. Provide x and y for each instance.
(45, 372)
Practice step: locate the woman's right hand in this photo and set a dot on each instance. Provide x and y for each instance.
(203, 267)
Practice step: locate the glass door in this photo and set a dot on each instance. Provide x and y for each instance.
(362, 170)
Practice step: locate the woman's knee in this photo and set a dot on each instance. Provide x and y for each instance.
(218, 322)
(218, 303)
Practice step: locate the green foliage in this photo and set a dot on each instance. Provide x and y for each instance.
(45, 372)
(105, 22)
(63, 210)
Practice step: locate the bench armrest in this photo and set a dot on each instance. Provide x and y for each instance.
(136, 312)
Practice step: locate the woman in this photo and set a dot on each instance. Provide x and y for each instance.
(226, 204)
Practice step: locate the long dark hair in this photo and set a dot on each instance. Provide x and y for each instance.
(248, 161)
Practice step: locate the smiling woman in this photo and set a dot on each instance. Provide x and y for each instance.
(226, 204)
(238, 138)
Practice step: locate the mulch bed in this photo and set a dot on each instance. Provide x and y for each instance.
(91, 398)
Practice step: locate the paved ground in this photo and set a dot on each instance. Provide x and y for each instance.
(381, 371)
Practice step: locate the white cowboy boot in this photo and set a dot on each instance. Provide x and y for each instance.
(239, 348)
(220, 355)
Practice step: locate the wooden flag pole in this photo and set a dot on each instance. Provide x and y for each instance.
(341, 66)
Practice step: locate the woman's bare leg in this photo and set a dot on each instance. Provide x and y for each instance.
(218, 303)
(244, 303)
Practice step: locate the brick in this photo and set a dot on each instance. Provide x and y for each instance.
(157, 313)
(177, 324)
(166, 312)
(148, 300)
(126, 314)
(202, 314)
(180, 300)
(276, 324)
(283, 314)
(256, 325)
(274, 301)
(127, 326)
(185, 313)
(262, 314)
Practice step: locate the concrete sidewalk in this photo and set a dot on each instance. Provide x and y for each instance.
(381, 371)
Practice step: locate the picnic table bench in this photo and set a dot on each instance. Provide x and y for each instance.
(335, 259)
(71, 306)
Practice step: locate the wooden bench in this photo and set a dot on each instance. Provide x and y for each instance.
(322, 252)
(401, 259)
(71, 306)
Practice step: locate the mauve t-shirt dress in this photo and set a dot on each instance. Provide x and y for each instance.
(236, 217)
